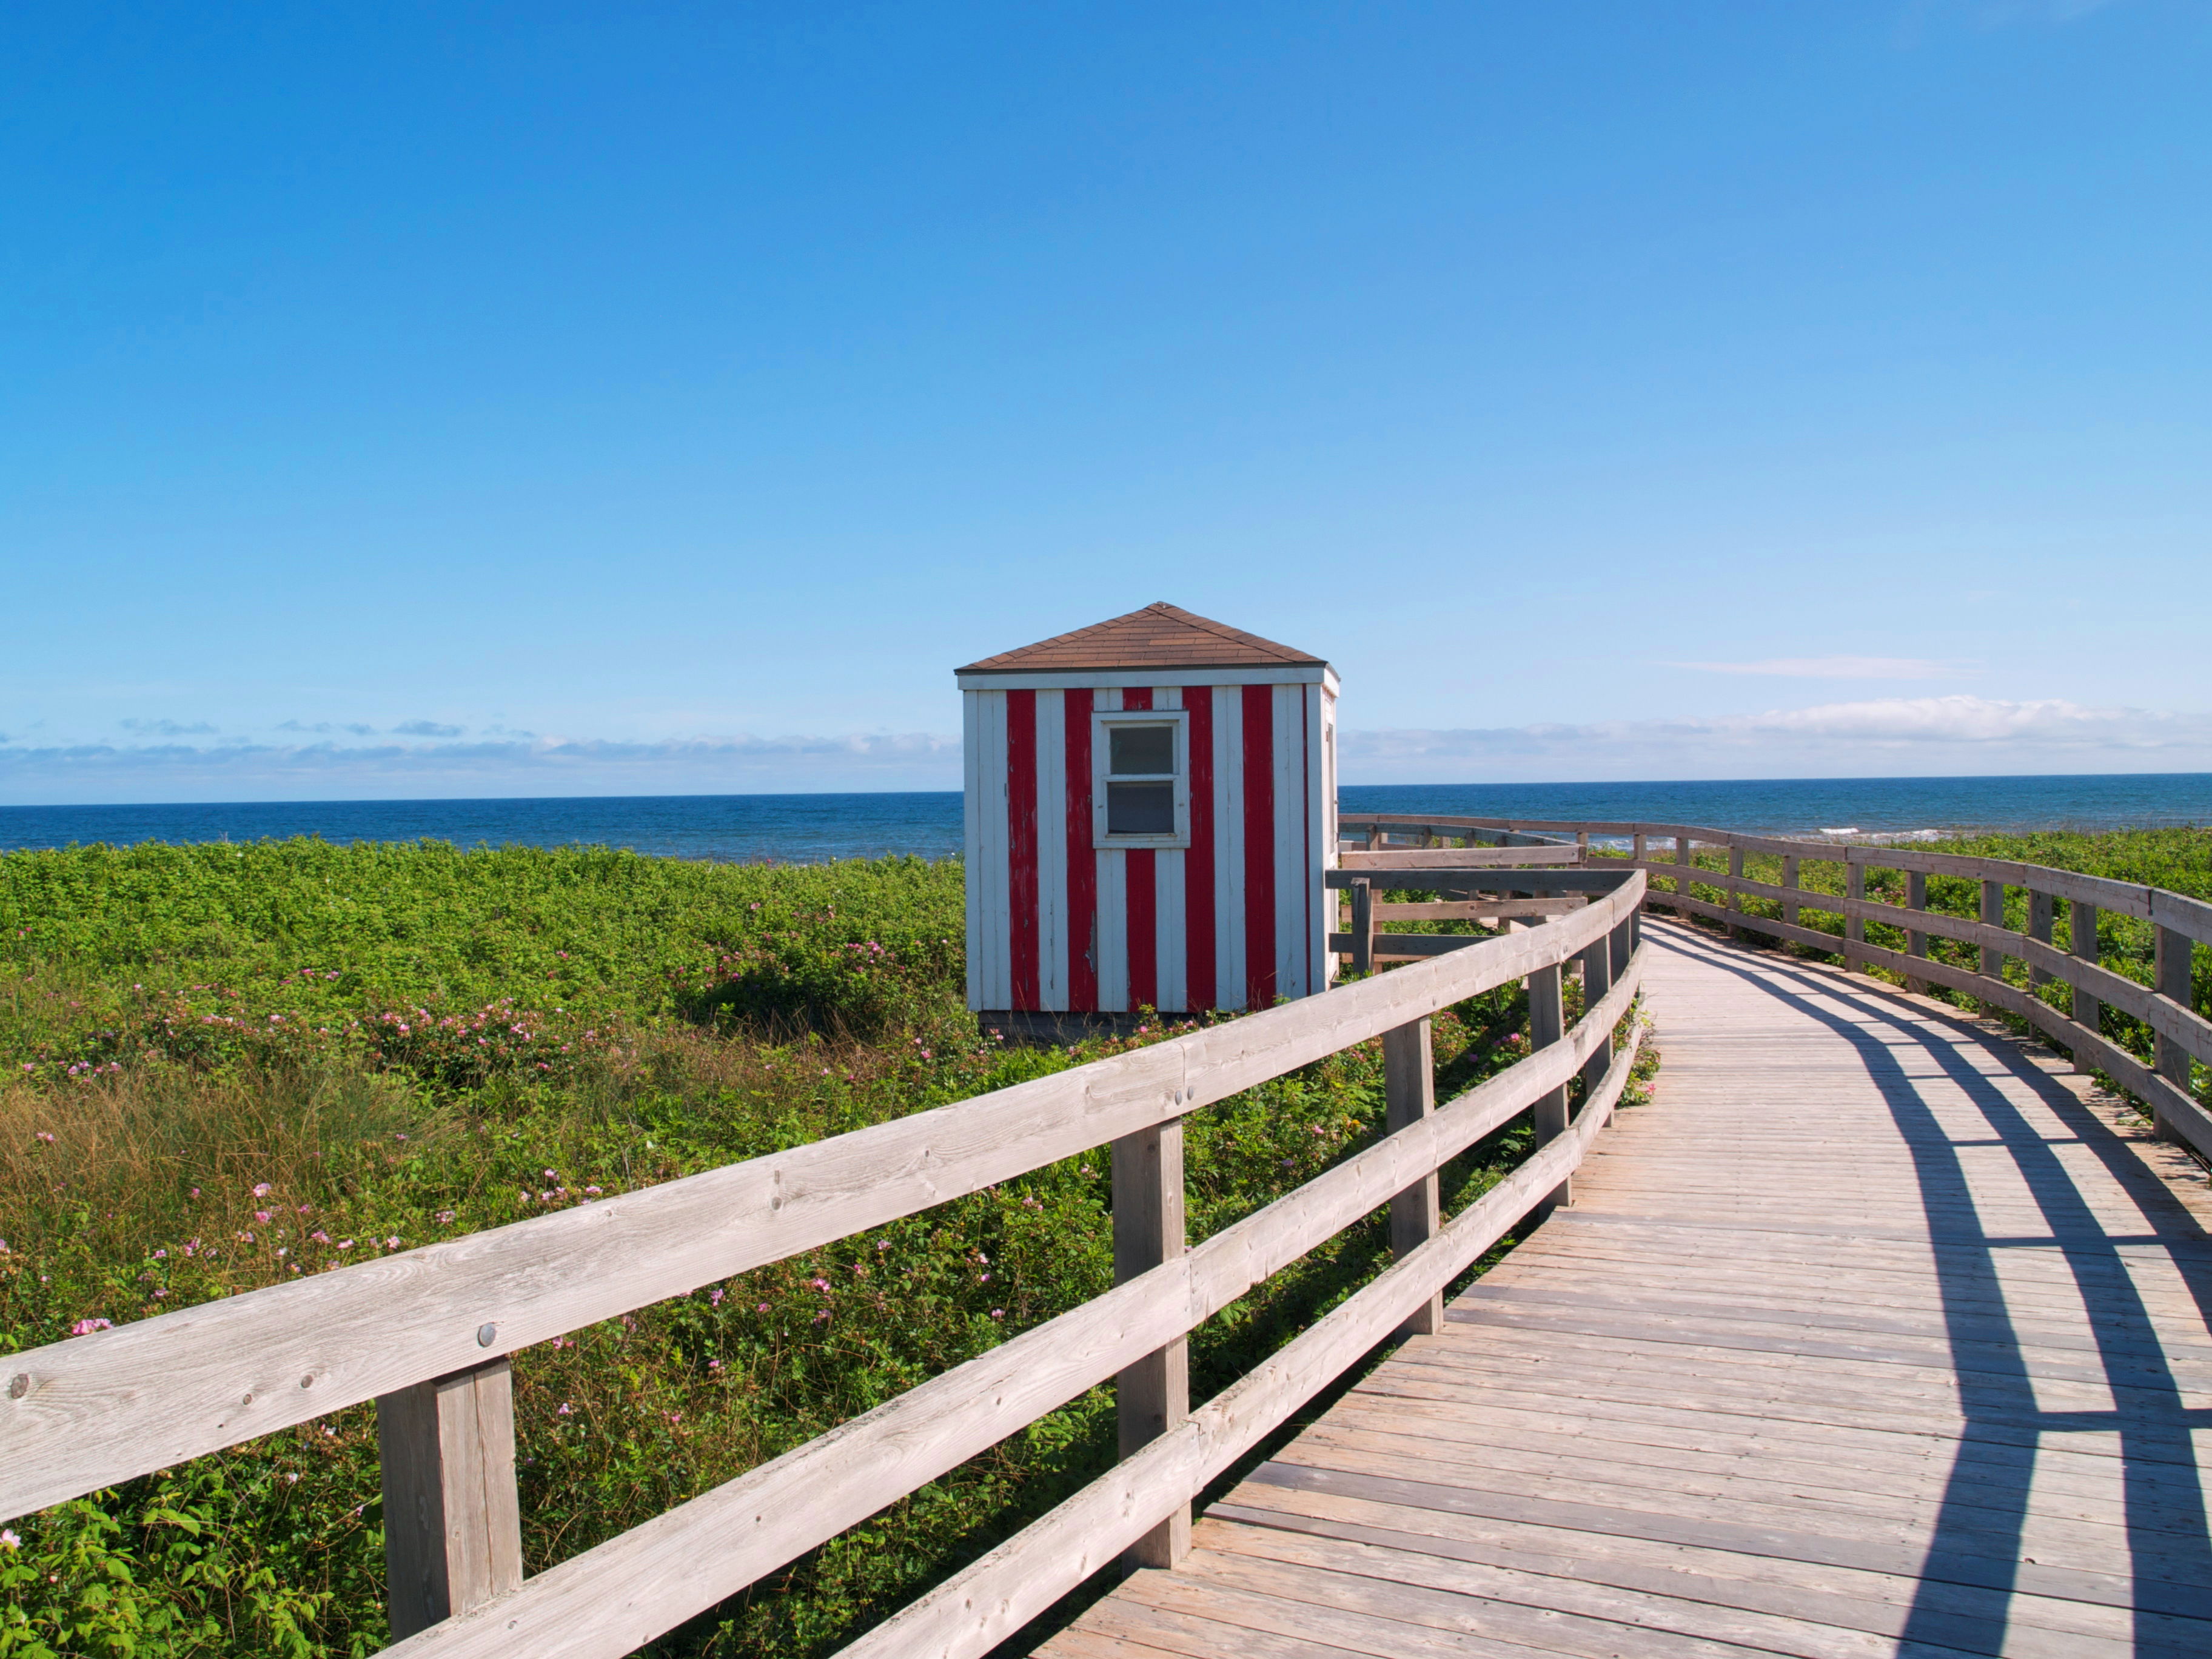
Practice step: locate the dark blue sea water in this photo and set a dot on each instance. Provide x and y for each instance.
(806, 829)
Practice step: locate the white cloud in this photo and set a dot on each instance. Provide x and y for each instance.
(1933, 736)
(1832, 668)
(515, 766)
(1899, 736)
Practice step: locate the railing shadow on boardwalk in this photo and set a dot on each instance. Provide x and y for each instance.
(1977, 1541)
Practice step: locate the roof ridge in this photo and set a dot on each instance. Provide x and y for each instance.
(1158, 636)
(1220, 630)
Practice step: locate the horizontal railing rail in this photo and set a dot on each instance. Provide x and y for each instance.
(2181, 1036)
(425, 1333)
(1377, 830)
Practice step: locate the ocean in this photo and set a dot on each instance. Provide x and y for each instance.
(808, 829)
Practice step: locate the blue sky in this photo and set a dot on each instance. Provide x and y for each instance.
(522, 400)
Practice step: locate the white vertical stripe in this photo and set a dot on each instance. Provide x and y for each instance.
(1113, 929)
(971, 841)
(1052, 848)
(1317, 858)
(997, 908)
(1229, 846)
(1329, 857)
(1290, 905)
(1169, 933)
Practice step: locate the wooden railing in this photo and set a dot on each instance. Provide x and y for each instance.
(2180, 1035)
(425, 1333)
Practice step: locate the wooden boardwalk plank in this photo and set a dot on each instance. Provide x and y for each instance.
(1870, 1336)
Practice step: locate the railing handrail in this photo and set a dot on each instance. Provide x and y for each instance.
(2178, 911)
(90, 1411)
(2167, 1006)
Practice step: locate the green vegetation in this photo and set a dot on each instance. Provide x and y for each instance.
(2180, 860)
(228, 1066)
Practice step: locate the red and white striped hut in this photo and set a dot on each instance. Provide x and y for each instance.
(1150, 802)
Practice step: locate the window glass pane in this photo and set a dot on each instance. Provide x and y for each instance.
(1136, 749)
(1140, 809)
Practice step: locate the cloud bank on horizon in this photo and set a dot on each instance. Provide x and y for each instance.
(1957, 734)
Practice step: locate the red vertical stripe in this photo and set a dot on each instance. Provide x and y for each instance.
(1141, 879)
(1021, 843)
(1082, 861)
(1259, 846)
(1197, 863)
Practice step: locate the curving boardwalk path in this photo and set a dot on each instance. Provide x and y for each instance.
(1870, 1336)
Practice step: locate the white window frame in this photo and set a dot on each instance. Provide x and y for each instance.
(1102, 749)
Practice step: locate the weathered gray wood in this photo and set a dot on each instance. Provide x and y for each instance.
(1409, 1095)
(614, 1597)
(1152, 1395)
(1400, 947)
(1546, 1025)
(1854, 921)
(1870, 1406)
(2171, 968)
(2042, 915)
(1477, 909)
(1916, 939)
(985, 1602)
(1457, 858)
(1791, 870)
(1597, 980)
(1735, 873)
(2165, 1016)
(1363, 928)
(1486, 880)
(2082, 933)
(452, 1524)
(1993, 901)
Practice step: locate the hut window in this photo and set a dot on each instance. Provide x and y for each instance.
(1141, 787)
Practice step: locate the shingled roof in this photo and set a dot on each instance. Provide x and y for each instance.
(1158, 636)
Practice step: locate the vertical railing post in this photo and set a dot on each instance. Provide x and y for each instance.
(1547, 1023)
(1736, 895)
(1597, 980)
(1374, 837)
(2089, 1011)
(1993, 915)
(1854, 924)
(1791, 876)
(1623, 946)
(1582, 847)
(1916, 943)
(2171, 974)
(1640, 851)
(1684, 862)
(453, 1520)
(1409, 1094)
(1153, 1395)
(1363, 928)
(2042, 914)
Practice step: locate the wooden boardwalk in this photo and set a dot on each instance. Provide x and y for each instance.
(1870, 1336)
